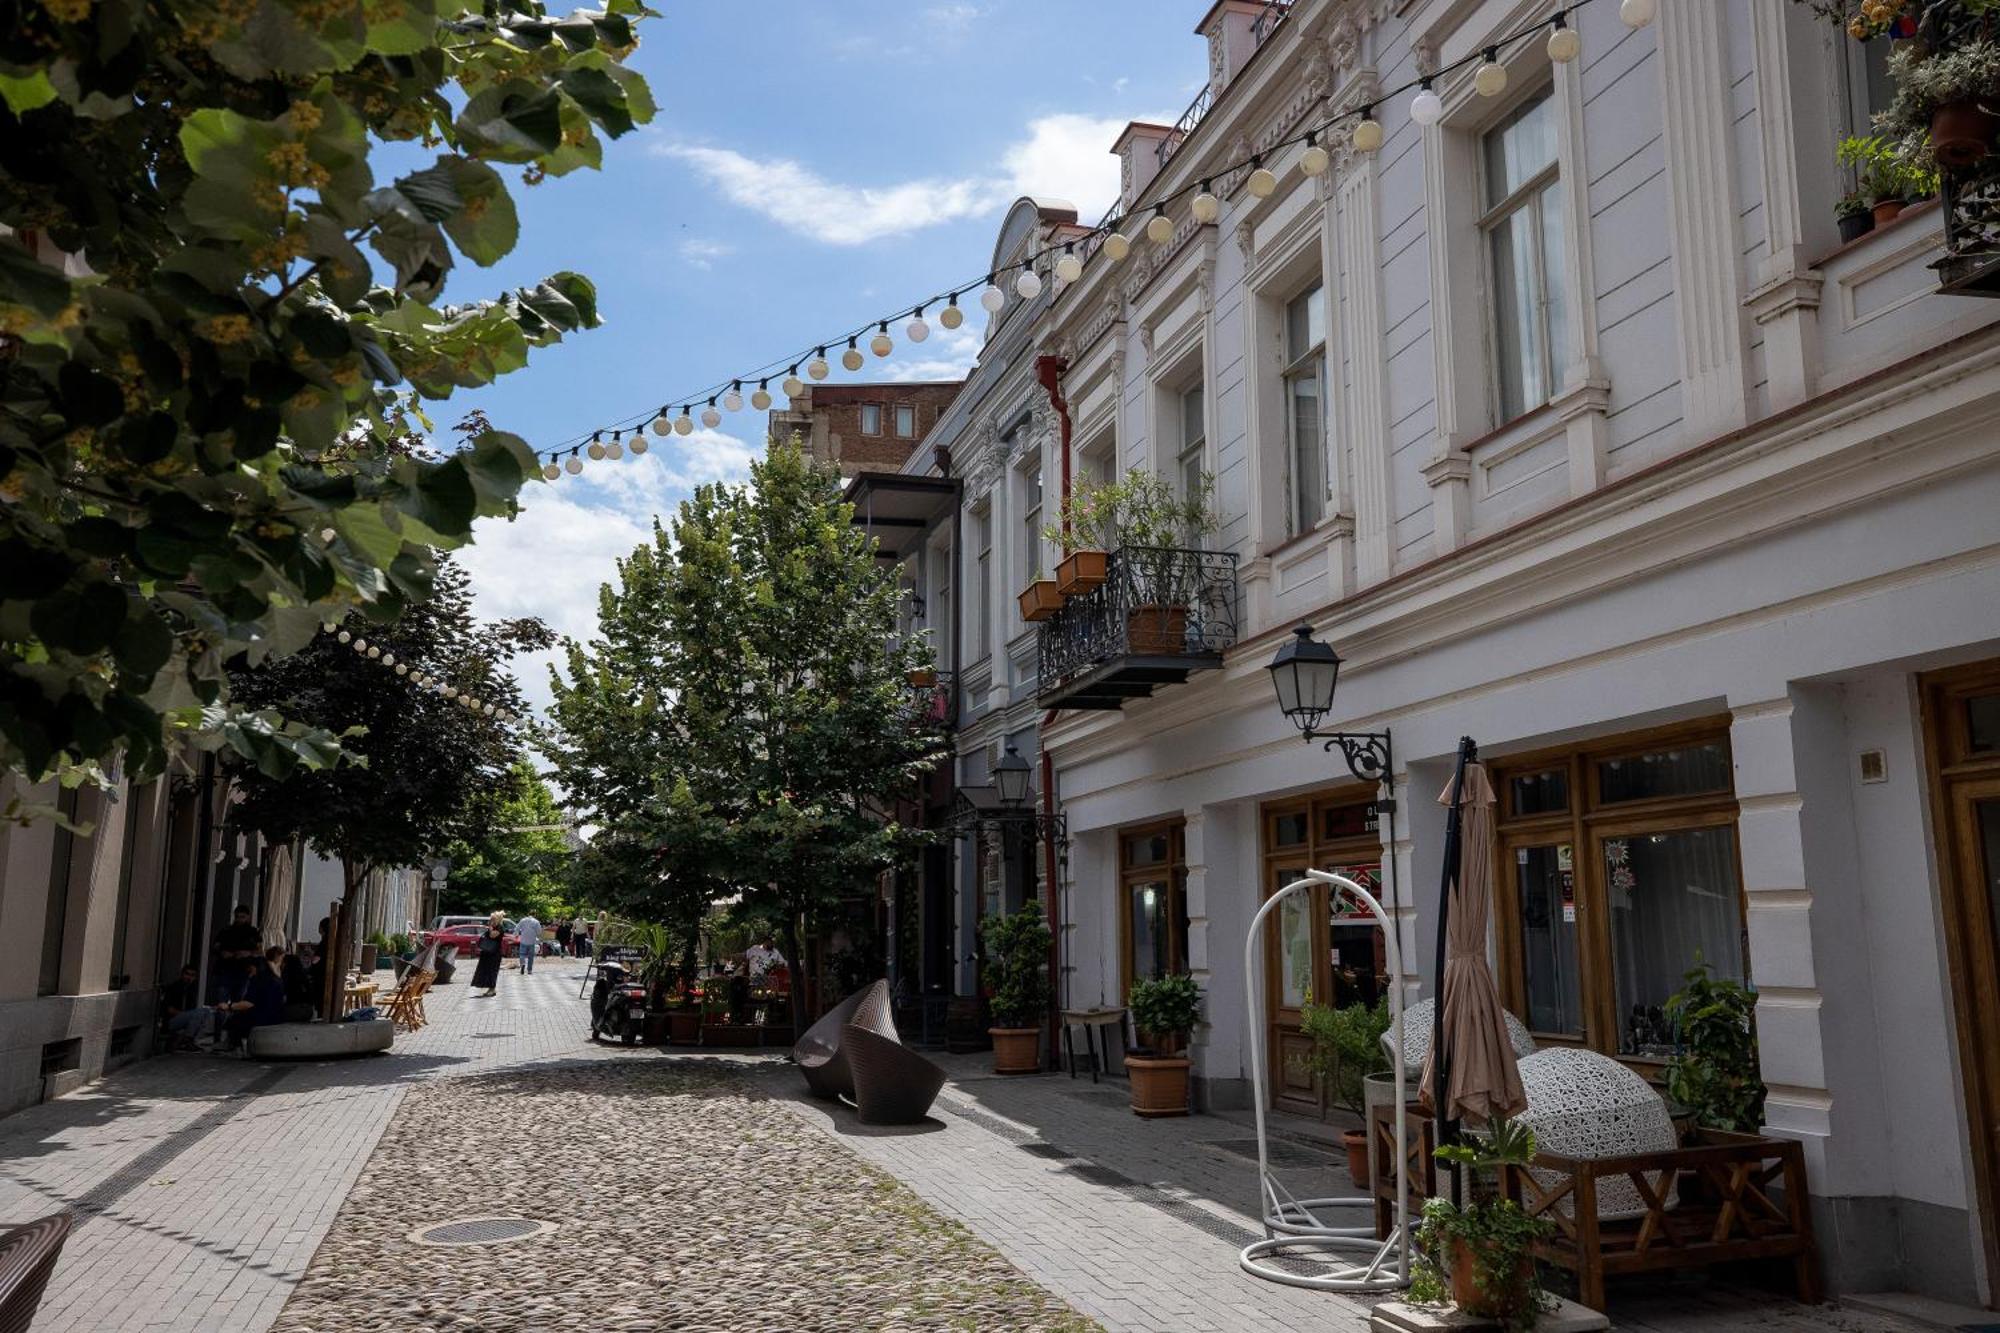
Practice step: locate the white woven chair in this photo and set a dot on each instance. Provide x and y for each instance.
(1417, 1021)
(1582, 1104)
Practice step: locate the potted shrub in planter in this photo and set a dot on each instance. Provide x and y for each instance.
(1853, 216)
(1714, 1076)
(1346, 1049)
(922, 678)
(1946, 99)
(1079, 532)
(1040, 599)
(1155, 524)
(1479, 1255)
(684, 1021)
(1164, 1010)
(1017, 960)
(1879, 174)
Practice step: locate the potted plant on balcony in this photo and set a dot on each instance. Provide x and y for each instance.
(921, 678)
(1165, 1011)
(1880, 177)
(1853, 216)
(1155, 524)
(1079, 533)
(1947, 103)
(1346, 1049)
(1017, 960)
(1479, 1255)
(1040, 599)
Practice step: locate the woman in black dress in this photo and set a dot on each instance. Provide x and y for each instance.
(487, 974)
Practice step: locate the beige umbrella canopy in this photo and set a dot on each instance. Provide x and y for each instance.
(1482, 1079)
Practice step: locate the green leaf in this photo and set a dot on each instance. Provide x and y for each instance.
(24, 92)
(486, 227)
(368, 532)
(599, 94)
(26, 281)
(143, 644)
(442, 498)
(79, 620)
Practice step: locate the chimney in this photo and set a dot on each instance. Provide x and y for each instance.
(1138, 150)
(1231, 31)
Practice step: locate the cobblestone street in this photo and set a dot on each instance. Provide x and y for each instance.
(698, 1192)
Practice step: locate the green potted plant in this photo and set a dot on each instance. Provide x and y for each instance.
(1479, 1255)
(1346, 1049)
(1165, 1011)
(1880, 177)
(1946, 100)
(1040, 599)
(1853, 216)
(1079, 533)
(1714, 1073)
(1153, 525)
(1016, 968)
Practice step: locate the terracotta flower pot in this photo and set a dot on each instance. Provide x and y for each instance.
(1961, 134)
(1470, 1297)
(922, 678)
(1016, 1050)
(1887, 211)
(1159, 1084)
(1080, 571)
(1040, 600)
(1356, 1143)
(1157, 629)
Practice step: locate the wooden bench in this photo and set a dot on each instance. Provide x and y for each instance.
(1731, 1213)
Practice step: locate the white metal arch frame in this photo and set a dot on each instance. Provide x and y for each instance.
(1292, 1226)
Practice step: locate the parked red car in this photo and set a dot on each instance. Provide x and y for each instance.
(464, 931)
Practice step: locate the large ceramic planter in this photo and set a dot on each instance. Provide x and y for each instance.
(1159, 1084)
(1157, 629)
(1080, 571)
(1469, 1296)
(1961, 134)
(1040, 600)
(1016, 1050)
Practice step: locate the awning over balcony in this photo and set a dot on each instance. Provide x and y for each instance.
(898, 509)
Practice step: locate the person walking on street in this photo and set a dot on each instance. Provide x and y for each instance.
(562, 938)
(529, 932)
(486, 976)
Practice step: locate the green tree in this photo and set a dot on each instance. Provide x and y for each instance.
(197, 409)
(520, 863)
(426, 763)
(744, 708)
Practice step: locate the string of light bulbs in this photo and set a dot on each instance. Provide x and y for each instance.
(1563, 44)
(374, 652)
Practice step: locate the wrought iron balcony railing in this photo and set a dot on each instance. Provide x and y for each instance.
(1155, 603)
(1266, 23)
(934, 702)
(1971, 262)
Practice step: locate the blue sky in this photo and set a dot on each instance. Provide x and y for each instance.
(813, 165)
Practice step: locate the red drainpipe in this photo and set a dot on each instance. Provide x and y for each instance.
(1049, 370)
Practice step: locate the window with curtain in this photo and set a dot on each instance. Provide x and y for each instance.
(906, 420)
(1527, 281)
(871, 418)
(1031, 522)
(1193, 442)
(1305, 409)
(1617, 873)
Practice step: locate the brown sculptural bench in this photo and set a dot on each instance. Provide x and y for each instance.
(853, 1052)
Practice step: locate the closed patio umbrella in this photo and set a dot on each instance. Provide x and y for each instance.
(1481, 1078)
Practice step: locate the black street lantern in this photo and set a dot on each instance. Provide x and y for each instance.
(1011, 776)
(1304, 672)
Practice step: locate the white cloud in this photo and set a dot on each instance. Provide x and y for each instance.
(702, 254)
(1063, 156)
(947, 355)
(570, 535)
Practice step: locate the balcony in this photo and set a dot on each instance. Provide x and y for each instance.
(1160, 614)
(934, 702)
(1971, 262)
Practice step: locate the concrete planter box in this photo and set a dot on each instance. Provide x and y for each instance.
(321, 1041)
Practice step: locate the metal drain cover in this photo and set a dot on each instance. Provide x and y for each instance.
(480, 1231)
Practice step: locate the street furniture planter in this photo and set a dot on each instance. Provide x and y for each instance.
(684, 1027)
(1016, 1050)
(1080, 571)
(1961, 134)
(1157, 629)
(1159, 1084)
(655, 1028)
(1356, 1143)
(1477, 1300)
(1040, 600)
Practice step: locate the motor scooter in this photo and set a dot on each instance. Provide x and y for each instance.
(617, 1004)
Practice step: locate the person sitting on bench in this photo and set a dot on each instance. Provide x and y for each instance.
(183, 1016)
(263, 999)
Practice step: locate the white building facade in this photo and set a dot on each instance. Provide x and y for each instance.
(1571, 424)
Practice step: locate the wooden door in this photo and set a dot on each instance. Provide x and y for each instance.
(1962, 732)
(1294, 947)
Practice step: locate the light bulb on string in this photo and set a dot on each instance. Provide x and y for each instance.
(792, 385)
(882, 344)
(1069, 268)
(1490, 79)
(486, 709)
(374, 650)
(733, 400)
(1205, 206)
(388, 659)
(662, 423)
(951, 316)
(1116, 246)
(638, 445)
(1638, 13)
(574, 465)
(1314, 160)
(327, 627)
(552, 471)
(402, 668)
(760, 397)
(615, 450)
(851, 358)
(817, 368)
(992, 297)
(710, 417)
(1367, 132)
(916, 330)
(1029, 284)
(346, 636)
(1159, 227)
(1565, 43)
(596, 449)
(1426, 108)
(1261, 183)
(360, 645)
(684, 423)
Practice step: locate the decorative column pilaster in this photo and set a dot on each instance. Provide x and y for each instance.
(1358, 242)
(1785, 303)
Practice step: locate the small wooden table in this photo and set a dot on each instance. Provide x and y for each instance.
(356, 995)
(1091, 1021)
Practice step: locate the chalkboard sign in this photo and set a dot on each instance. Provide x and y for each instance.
(625, 955)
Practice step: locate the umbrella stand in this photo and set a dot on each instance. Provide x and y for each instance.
(1445, 1129)
(1292, 1228)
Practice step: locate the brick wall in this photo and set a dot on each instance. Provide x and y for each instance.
(830, 418)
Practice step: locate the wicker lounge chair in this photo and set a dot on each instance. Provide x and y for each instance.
(893, 1085)
(27, 1257)
(818, 1054)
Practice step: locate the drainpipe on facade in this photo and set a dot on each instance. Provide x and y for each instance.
(1049, 370)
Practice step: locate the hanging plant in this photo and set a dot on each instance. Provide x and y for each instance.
(1945, 104)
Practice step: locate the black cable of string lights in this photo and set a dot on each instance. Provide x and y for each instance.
(1636, 14)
